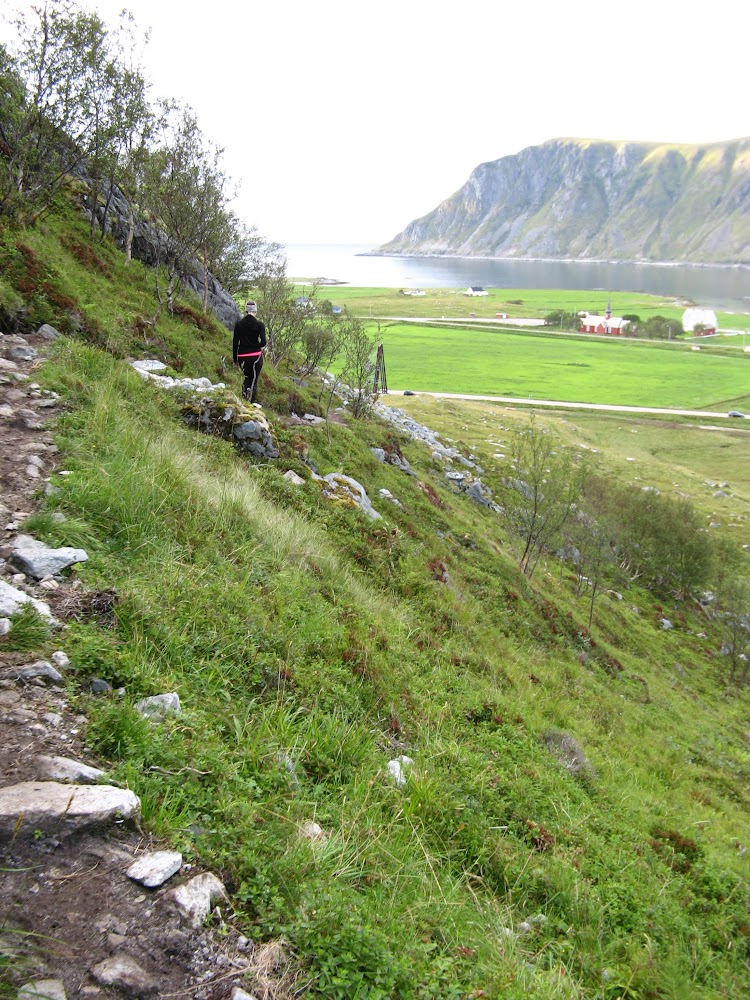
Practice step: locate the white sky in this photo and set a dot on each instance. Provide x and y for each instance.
(344, 121)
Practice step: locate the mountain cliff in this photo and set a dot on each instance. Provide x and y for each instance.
(596, 200)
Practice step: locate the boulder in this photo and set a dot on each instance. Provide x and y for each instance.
(12, 600)
(52, 807)
(247, 429)
(48, 332)
(39, 670)
(22, 354)
(344, 490)
(39, 560)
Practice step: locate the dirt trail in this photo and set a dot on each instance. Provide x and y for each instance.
(66, 905)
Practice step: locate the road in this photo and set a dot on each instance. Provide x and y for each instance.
(562, 404)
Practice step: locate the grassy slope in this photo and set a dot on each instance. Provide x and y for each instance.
(298, 634)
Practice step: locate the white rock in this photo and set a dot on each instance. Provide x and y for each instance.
(43, 989)
(313, 831)
(123, 972)
(159, 705)
(4, 626)
(53, 807)
(60, 659)
(154, 869)
(195, 898)
(291, 477)
(240, 994)
(146, 365)
(66, 769)
(398, 769)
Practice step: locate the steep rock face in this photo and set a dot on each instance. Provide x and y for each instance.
(596, 200)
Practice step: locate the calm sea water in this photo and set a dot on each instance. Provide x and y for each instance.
(727, 289)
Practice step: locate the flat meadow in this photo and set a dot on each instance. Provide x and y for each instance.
(535, 303)
(499, 362)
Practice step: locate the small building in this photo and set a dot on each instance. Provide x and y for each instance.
(705, 319)
(475, 290)
(613, 325)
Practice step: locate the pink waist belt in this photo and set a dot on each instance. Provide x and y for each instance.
(255, 354)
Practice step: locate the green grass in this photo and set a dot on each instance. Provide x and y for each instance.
(548, 366)
(535, 303)
(528, 302)
(309, 647)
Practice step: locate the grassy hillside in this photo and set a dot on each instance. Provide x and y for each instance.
(575, 820)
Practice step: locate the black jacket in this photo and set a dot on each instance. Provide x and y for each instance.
(249, 336)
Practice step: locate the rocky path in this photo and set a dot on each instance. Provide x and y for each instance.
(90, 906)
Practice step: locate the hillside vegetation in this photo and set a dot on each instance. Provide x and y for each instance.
(574, 821)
(578, 198)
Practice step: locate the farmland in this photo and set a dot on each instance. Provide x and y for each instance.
(452, 303)
(549, 366)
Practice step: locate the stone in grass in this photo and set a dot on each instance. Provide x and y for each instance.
(39, 560)
(398, 769)
(291, 477)
(153, 870)
(43, 989)
(313, 831)
(4, 626)
(195, 898)
(568, 752)
(159, 706)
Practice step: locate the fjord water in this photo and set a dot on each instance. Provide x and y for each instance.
(724, 288)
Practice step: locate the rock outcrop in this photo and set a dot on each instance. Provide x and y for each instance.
(150, 245)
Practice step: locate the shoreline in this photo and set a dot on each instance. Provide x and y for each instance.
(559, 260)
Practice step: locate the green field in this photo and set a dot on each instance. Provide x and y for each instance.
(529, 302)
(548, 366)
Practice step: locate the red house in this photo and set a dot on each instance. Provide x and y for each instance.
(614, 325)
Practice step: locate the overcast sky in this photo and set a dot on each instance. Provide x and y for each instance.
(344, 121)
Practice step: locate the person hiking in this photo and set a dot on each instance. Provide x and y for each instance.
(247, 350)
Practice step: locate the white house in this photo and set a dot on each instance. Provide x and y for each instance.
(700, 317)
(475, 290)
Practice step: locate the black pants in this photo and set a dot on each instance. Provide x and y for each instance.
(251, 367)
